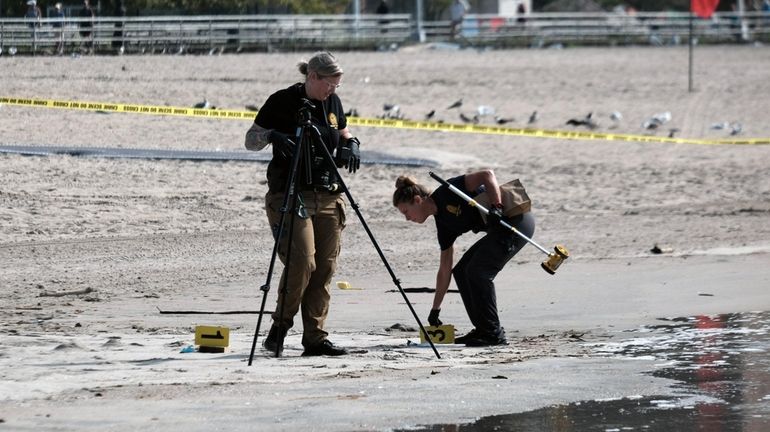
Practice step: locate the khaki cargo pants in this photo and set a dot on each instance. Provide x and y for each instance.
(314, 251)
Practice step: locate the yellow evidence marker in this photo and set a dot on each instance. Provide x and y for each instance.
(212, 339)
(443, 334)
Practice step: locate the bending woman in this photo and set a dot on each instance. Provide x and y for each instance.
(475, 272)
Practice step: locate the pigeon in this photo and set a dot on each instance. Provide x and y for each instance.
(532, 117)
(391, 111)
(500, 120)
(457, 104)
(252, 108)
(586, 121)
(203, 105)
(430, 115)
(672, 132)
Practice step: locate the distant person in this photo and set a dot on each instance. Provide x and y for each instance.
(86, 26)
(457, 12)
(58, 25)
(383, 9)
(521, 14)
(33, 14)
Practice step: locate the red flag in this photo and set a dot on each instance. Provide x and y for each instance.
(703, 8)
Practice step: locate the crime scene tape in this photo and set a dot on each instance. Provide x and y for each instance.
(374, 122)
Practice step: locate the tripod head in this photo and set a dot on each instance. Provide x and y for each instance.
(303, 115)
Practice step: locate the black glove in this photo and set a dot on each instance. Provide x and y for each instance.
(281, 143)
(495, 215)
(348, 154)
(433, 317)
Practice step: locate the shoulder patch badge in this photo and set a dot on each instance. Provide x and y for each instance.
(333, 121)
(455, 210)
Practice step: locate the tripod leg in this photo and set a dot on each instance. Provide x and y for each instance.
(354, 205)
(289, 194)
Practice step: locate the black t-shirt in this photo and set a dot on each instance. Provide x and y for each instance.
(281, 112)
(454, 216)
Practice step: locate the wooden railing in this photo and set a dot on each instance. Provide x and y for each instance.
(216, 34)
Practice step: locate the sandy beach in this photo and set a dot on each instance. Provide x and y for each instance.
(92, 249)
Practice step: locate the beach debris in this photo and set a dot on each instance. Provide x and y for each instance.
(430, 115)
(203, 312)
(657, 120)
(702, 294)
(735, 128)
(457, 104)
(586, 121)
(616, 116)
(353, 112)
(254, 108)
(502, 120)
(400, 327)
(533, 117)
(499, 377)
(661, 249)
(345, 285)
(66, 293)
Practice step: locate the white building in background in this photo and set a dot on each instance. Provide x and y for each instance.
(509, 8)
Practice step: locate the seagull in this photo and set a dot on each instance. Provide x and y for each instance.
(587, 122)
(252, 107)
(485, 110)
(720, 126)
(203, 105)
(457, 104)
(657, 120)
(430, 115)
(500, 120)
(532, 117)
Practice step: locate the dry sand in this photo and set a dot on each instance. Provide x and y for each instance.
(176, 235)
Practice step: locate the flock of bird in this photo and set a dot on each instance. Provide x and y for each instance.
(393, 112)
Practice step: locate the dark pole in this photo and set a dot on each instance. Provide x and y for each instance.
(692, 43)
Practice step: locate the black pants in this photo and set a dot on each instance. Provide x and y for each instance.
(475, 272)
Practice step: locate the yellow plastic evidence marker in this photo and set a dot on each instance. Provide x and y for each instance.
(212, 338)
(443, 334)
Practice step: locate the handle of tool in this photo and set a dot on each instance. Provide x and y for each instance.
(481, 208)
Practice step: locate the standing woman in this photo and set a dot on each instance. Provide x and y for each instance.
(475, 272)
(321, 216)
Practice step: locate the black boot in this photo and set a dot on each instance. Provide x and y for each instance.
(274, 340)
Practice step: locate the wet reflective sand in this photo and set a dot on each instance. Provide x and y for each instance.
(721, 366)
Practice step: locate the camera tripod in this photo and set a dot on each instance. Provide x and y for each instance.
(309, 143)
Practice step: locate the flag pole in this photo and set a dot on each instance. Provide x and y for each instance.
(692, 43)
